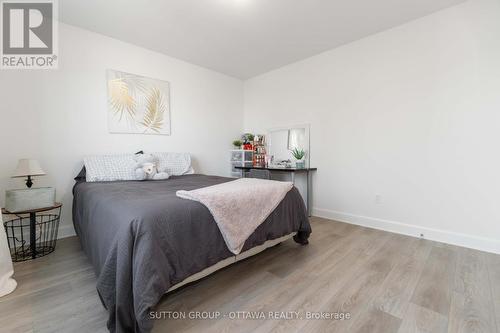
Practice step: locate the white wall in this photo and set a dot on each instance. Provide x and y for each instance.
(412, 115)
(59, 116)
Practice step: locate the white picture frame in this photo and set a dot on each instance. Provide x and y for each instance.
(137, 104)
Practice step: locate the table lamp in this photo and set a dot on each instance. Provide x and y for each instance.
(28, 168)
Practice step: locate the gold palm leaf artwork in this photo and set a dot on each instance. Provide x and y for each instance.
(155, 108)
(137, 104)
(120, 99)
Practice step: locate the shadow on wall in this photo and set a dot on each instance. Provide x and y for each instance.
(195, 164)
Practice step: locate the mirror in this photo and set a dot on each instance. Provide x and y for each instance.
(282, 140)
(296, 138)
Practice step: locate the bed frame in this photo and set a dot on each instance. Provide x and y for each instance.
(231, 260)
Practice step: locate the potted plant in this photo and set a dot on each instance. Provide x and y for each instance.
(248, 141)
(237, 144)
(299, 154)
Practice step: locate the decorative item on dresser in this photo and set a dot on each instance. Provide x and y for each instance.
(299, 155)
(259, 151)
(247, 141)
(237, 144)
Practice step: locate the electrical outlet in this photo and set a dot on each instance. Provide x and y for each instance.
(378, 199)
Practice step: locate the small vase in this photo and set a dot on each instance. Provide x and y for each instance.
(300, 164)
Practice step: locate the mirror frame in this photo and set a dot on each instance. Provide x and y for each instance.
(307, 145)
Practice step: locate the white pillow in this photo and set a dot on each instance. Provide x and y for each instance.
(175, 164)
(103, 168)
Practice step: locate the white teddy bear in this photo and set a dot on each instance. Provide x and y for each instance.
(147, 168)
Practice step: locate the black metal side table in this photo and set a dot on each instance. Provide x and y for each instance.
(43, 226)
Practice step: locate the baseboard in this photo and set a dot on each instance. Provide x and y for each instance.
(66, 230)
(449, 237)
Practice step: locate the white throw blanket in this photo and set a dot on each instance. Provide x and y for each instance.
(240, 206)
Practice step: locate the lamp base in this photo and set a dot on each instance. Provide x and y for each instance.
(29, 182)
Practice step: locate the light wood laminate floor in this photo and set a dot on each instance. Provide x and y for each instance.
(386, 282)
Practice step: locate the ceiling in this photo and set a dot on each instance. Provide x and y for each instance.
(243, 38)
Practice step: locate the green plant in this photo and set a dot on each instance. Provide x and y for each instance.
(248, 137)
(297, 153)
(237, 143)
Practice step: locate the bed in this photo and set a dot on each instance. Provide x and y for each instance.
(144, 241)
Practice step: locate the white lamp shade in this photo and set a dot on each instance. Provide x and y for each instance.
(27, 167)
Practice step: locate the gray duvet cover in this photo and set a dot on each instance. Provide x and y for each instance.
(142, 239)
